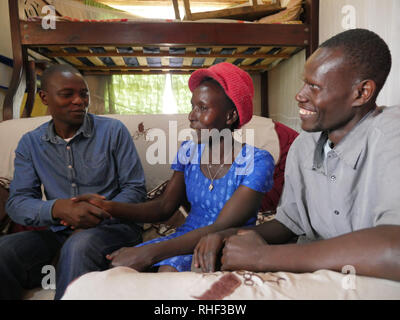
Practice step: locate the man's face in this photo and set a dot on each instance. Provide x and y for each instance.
(67, 98)
(325, 100)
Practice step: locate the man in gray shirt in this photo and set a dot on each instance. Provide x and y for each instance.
(342, 179)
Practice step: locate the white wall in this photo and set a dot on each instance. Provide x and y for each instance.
(380, 16)
(283, 83)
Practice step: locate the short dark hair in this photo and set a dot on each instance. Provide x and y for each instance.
(367, 53)
(54, 69)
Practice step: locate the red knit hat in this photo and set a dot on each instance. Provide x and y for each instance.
(237, 84)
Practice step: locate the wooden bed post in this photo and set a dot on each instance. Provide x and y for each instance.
(18, 64)
(312, 19)
(30, 88)
(264, 95)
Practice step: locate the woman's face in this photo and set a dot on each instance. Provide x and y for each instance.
(210, 109)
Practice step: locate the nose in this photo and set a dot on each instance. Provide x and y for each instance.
(192, 115)
(300, 96)
(78, 100)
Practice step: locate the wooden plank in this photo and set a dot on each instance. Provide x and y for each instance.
(168, 33)
(130, 72)
(264, 94)
(20, 61)
(188, 54)
(109, 68)
(188, 13)
(312, 19)
(242, 13)
(176, 9)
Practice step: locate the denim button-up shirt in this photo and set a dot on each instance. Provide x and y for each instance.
(101, 158)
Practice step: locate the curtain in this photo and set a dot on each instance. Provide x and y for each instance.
(139, 94)
(135, 94)
(182, 94)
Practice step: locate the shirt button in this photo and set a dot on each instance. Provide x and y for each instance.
(68, 147)
(73, 185)
(69, 167)
(336, 212)
(333, 178)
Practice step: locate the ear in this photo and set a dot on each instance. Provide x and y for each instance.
(363, 92)
(43, 96)
(232, 117)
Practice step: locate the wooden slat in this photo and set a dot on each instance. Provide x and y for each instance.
(72, 60)
(271, 62)
(190, 54)
(93, 59)
(142, 60)
(238, 51)
(167, 68)
(214, 53)
(116, 57)
(164, 51)
(249, 61)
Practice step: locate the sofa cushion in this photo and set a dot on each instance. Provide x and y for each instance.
(286, 137)
(157, 139)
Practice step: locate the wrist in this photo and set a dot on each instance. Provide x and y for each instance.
(55, 212)
(108, 206)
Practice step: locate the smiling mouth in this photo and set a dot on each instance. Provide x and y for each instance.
(305, 112)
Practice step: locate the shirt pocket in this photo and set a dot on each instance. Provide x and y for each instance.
(94, 171)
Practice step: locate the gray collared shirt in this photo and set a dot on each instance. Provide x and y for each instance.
(357, 186)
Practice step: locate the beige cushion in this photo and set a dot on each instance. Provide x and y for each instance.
(125, 283)
(148, 132)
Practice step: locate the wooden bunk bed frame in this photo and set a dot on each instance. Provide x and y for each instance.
(29, 35)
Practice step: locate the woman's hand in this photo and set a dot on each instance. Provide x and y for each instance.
(138, 258)
(207, 251)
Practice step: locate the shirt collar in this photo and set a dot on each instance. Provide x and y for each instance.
(86, 129)
(349, 148)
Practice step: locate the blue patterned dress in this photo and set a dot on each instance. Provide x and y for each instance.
(253, 168)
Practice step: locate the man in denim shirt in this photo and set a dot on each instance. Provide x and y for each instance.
(74, 153)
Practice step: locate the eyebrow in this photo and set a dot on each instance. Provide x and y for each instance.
(72, 89)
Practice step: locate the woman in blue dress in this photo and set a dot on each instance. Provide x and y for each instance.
(223, 181)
